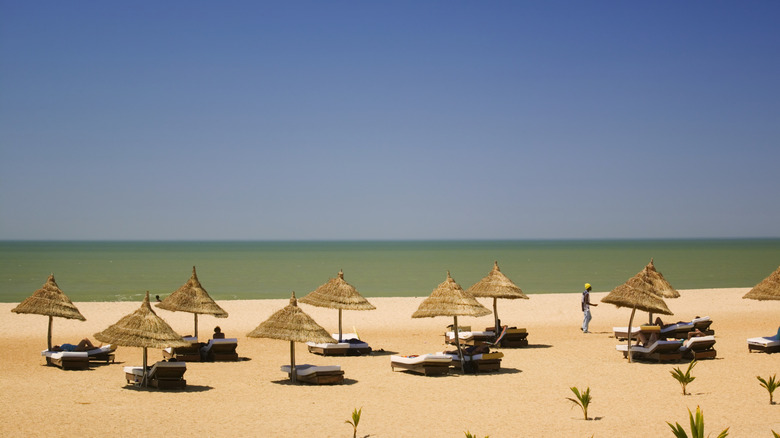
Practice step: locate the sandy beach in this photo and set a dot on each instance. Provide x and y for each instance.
(527, 398)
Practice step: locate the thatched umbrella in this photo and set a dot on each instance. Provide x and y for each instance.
(768, 289)
(49, 301)
(142, 328)
(294, 325)
(660, 285)
(449, 299)
(496, 285)
(338, 294)
(636, 293)
(192, 298)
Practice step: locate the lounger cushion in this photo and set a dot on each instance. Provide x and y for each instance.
(306, 369)
(423, 358)
(649, 349)
(99, 350)
(213, 342)
(339, 345)
(470, 335)
(62, 354)
(486, 356)
(770, 341)
(690, 343)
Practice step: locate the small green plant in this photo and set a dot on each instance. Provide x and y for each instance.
(684, 378)
(583, 399)
(770, 386)
(355, 421)
(469, 435)
(776, 435)
(697, 426)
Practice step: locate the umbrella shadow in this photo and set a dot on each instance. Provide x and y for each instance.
(288, 382)
(188, 388)
(382, 352)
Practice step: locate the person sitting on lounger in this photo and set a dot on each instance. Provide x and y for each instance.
(84, 345)
(218, 333)
(646, 339)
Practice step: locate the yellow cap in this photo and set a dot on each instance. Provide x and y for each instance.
(587, 285)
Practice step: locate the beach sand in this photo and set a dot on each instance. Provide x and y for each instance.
(527, 398)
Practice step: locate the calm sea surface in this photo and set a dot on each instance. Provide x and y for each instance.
(120, 271)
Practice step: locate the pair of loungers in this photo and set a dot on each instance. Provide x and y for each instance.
(441, 362)
(350, 345)
(223, 349)
(162, 375)
(512, 337)
(79, 360)
(664, 350)
(317, 374)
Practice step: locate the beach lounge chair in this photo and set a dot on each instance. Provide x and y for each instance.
(703, 324)
(67, 360)
(102, 353)
(768, 344)
(470, 337)
(190, 353)
(513, 337)
(220, 350)
(356, 346)
(427, 364)
(162, 375)
(317, 374)
(661, 351)
(680, 330)
(621, 333)
(481, 362)
(699, 347)
(328, 349)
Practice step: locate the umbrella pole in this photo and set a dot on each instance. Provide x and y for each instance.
(496, 327)
(48, 339)
(630, 321)
(457, 343)
(293, 372)
(650, 321)
(196, 325)
(144, 379)
(339, 325)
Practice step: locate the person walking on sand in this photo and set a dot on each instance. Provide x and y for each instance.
(586, 308)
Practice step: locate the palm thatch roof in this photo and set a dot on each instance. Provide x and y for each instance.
(193, 298)
(142, 328)
(337, 294)
(767, 289)
(449, 299)
(49, 300)
(291, 324)
(660, 285)
(637, 293)
(496, 285)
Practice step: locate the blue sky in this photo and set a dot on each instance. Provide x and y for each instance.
(389, 120)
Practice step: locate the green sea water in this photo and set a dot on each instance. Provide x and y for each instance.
(121, 271)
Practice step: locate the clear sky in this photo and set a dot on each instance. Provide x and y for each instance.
(389, 119)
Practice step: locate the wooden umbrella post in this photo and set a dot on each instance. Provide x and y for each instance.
(48, 339)
(630, 321)
(340, 325)
(145, 378)
(293, 372)
(196, 325)
(496, 326)
(457, 343)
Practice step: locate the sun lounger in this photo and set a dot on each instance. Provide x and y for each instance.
(768, 344)
(162, 375)
(703, 324)
(356, 346)
(328, 349)
(190, 353)
(621, 333)
(102, 353)
(699, 347)
(427, 364)
(661, 351)
(67, 360)
(477, 362)
(317, 374)
(677, 330)
(470, 337)
(220, 350)
(513, 338)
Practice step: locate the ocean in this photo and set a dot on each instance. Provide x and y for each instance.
(124, 271)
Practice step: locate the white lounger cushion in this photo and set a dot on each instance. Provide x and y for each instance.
(696, 340)
(139, 371)
(678, 326)
(634, 330)
(701, 319)
(61, 354)
(421, 359)
(472, 357)
(329, 345)
(348, 336)
(770, 341)
(469, 335)
(305, 370)
(102, 349)
(649, 349)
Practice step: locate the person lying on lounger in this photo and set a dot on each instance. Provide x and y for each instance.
(84, 345)
(661, 323)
